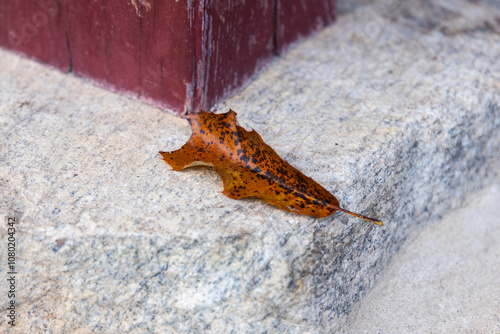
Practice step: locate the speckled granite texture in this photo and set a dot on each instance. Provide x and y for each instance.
(445, 279)
(395, 109)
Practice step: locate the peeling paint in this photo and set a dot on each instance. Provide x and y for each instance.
(144, 3)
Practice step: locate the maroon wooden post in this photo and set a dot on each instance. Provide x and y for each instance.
(179, 55)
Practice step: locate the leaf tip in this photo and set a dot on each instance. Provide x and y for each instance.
(377, 222)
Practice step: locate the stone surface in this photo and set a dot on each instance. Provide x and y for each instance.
(446, 280)
(395, 109)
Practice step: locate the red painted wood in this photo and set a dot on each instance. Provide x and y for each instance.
(180, 55)
(143, 49)
(239, 42)
(297, 19)
(36, 29)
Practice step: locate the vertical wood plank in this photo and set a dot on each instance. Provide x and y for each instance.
(35, 29)
(297, 19)
(239, 42)
(179, 55)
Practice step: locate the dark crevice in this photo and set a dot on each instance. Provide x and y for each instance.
(192, 91)
(65, 23)
(162, 62)
(59, 12)
(109, 45)
(206, 54)
(275, 28)
(194, 87)
(68, 48)
(140, 40)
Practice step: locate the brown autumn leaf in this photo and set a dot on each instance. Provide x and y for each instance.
(251, 168)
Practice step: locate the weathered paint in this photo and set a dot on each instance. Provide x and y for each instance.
(180, 55)
(299, 18)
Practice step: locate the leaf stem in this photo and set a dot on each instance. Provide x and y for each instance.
(372, 220)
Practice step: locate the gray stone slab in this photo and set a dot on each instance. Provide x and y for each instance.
(395, 110)
(445, 280)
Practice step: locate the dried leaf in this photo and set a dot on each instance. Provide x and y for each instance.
(251, 168)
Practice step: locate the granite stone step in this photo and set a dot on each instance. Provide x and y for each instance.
(395, 110)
